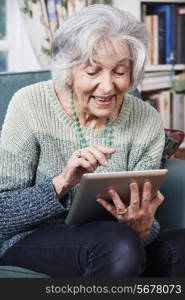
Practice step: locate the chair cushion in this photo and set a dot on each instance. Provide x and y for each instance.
(173, 139)
(17, 272)
(10, 82)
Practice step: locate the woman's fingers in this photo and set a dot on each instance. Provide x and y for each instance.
(81, 161)
(87, 155)
(119, 205)
(156, 202)
(95, 155)
(86, 164)
(105, 149)
(117, 209)
(146, 195)
(140, 213)
(100, 152)
(109, 207)
(134, 198)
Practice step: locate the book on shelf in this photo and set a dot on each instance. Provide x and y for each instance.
(162, 44)
(157, 80)
(168, 13)
(152, 24)
(155, 74)
(178, 111)
(165, 102)
(181, 34)
(161, 101)
(171, 106)
(170, 30)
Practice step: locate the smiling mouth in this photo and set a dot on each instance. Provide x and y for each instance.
(103, 99)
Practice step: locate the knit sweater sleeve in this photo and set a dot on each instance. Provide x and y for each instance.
(151, 154)
(22, 203)
(148, 140)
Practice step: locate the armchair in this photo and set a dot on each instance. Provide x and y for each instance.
(170, 214)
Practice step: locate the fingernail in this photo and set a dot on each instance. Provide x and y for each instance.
(105, 162)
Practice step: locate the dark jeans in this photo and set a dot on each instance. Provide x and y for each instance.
(99, 249)
(166, 255)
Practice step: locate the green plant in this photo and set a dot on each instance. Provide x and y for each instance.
(27, 7)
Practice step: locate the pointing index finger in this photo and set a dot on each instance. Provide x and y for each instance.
(105, 149)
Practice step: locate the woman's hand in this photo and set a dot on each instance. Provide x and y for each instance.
(82, 161)
(140, 213)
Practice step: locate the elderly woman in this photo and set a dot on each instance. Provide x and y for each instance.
(81, 121)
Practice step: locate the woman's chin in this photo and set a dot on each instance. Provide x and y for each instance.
(103, 115)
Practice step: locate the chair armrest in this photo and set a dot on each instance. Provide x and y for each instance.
(18, 272)
(172, 212)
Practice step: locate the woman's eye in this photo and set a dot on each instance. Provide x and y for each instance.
(120, 73)
(91, 73)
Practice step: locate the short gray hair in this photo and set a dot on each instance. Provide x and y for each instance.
(77, 39)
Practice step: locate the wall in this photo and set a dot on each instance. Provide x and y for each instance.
(21, 55)
(132, 6)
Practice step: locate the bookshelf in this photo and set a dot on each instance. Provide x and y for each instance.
(136, 7)
(177, 67)
(163, 85)
(166, 73)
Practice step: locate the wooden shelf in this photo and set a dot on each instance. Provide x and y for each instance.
(155, 68)
(165, 81)
(155, 86)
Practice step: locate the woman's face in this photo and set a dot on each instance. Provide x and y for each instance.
(98, 89)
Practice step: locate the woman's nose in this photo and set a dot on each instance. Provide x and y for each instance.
(106, 84)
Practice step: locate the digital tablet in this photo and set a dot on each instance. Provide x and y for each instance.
(85, 208)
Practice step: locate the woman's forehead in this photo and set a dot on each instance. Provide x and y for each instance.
(111, 54)
(111, 61)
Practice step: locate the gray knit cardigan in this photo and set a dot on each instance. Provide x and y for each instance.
(37, 140)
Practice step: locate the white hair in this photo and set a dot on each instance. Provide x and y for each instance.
(78, 38)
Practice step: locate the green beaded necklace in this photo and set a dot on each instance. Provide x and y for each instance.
(78, 128)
